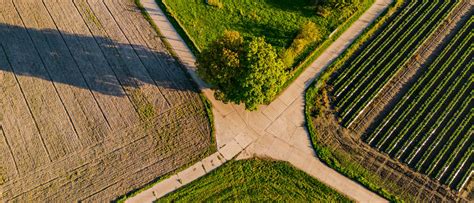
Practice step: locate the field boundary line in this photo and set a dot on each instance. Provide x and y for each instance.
(49, 75)
(77, 65)
(28, 105)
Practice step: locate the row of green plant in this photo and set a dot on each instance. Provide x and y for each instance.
(427, 113)
(466, 160)
(444, 107)
(412, 100)
(415, 90)
(413, 10)
(410, 24)
(448, 140)
(341, 83)
(455, 94)
(315, 101)
(371, 62)
(377, 75)
(437, 91)
(457, 149)
(450, 149)
(399, 60)
(380, 72)
(417, 110)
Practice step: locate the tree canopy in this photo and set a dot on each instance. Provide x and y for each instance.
(242, 71)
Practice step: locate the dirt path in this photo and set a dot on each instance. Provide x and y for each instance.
(276, 130)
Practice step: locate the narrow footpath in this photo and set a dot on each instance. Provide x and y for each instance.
(276, 131)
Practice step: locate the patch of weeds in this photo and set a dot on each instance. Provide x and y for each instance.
(145, 109)
(90, 15)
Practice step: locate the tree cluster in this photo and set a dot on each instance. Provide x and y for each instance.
(242, 71)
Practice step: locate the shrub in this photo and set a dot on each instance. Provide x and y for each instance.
(308, 33)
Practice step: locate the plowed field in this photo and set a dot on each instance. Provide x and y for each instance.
(92, 104)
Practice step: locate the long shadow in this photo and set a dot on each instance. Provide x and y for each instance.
(273, 35)
(96, 63)
(305, 7)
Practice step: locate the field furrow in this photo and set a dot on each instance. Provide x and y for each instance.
(110, 94)
(121, 56)
(24, 138)
(170, 77)
(80, 103)
(40, 93)
(93, 105)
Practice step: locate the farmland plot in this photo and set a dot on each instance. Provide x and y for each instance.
(385, 54)
(421, 117)
(431, 127)
(395, 111)
(92, 104)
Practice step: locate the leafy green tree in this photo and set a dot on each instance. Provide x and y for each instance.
(219, 64)
(263, 74)
(240, 71)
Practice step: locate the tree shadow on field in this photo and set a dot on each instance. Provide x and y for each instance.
(96, 63)
(277, 37)
(305, 7)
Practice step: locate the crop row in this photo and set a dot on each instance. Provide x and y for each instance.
(414, 107)
(447, 55)
(382, 72)
(428, 104)
(415, 96)
(382, 37)
(430, 128)
(381, 45)
(392, 48)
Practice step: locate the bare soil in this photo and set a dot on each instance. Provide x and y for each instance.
(92, 104)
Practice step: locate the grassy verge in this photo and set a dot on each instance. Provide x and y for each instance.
(332, 157)
(278, 21)
(207, 106)
(255, 180)
(210, 116)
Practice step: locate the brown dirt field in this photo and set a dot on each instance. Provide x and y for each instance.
(92, 104)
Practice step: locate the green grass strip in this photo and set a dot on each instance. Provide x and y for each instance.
(255, 180)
